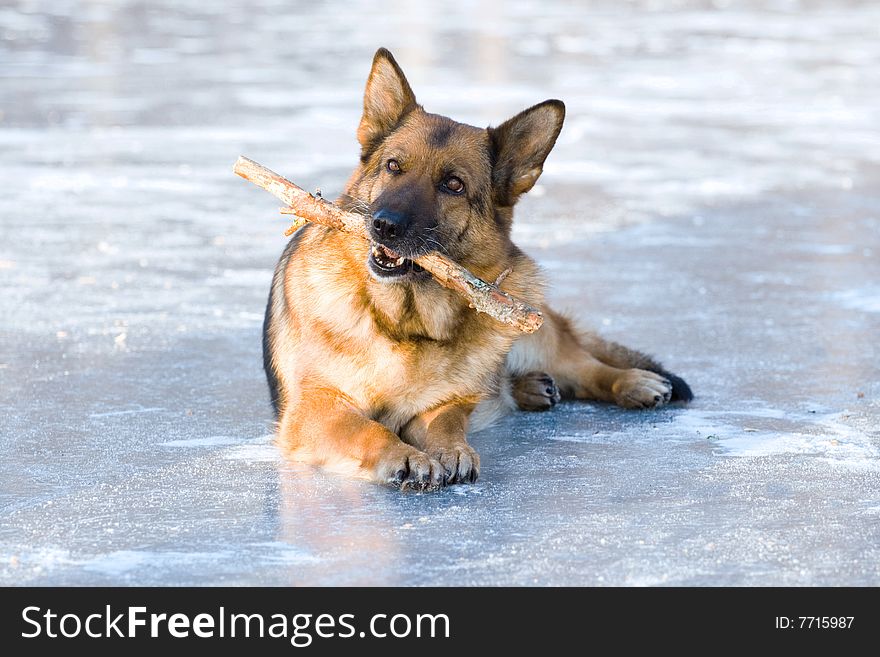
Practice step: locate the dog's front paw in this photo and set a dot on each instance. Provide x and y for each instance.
(535, 391)
(641, 389)
(461, 464)
(409, 469)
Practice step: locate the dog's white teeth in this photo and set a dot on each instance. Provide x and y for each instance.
(381, 256)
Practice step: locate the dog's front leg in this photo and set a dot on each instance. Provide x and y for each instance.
(441, 433)
(326, 428)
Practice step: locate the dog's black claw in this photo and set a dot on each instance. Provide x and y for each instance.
(535, 391)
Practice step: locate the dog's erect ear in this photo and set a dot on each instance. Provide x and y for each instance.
(387, 99)
(520, 145)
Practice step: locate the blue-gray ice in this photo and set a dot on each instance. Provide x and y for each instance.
(714, 199)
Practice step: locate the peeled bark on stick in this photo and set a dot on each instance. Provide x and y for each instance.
(484, 297)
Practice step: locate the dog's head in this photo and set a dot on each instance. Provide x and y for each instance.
(428, 183)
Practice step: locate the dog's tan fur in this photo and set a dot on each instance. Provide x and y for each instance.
(383, 379)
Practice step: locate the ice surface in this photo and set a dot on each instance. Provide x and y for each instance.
(713, 199)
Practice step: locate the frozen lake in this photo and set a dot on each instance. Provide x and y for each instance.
(714, 199)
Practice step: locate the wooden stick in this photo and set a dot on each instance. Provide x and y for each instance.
(484, 297)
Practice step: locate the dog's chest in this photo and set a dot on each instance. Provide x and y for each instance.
(393, 381)
(407, 378)
(397, 354)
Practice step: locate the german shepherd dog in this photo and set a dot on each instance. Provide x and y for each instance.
(376, 370)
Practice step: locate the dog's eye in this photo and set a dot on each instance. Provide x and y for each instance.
(453, 185)
(393, 166)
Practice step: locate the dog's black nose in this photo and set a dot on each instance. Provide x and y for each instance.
(389, 225)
